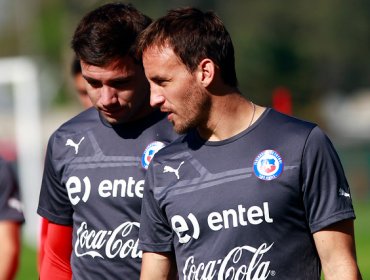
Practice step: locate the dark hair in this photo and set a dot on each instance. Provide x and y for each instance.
(193, 35)
(108, 33)
(75, 67)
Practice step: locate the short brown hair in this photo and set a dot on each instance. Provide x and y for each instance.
(107, 33)
(193, 35)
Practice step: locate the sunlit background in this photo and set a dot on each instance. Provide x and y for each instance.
(309, 57)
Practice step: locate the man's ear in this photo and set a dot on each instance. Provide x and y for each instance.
(206, 72)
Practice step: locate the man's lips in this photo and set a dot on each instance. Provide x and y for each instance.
(168, 112)
(112, 113)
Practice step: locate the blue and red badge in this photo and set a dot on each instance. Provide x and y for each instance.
(149, 153)
(268, 165)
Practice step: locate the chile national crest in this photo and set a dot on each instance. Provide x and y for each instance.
(268, 165)
(149, 153)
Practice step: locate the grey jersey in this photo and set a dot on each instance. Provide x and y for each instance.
(93, 179)
(246, 207)
(10, 204)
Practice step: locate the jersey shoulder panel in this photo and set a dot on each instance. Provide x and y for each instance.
(68, 137)
(81, 122)
(279, 121)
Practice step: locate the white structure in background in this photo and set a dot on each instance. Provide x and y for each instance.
(21, 74)
(348, 117)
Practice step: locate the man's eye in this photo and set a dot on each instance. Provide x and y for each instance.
(94, 84)
(161, 82)
(120, 84)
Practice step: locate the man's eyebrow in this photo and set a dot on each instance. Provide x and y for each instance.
(117, 79)
(158, 78)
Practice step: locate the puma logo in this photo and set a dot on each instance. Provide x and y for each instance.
(343, 193)
(74, 145)
(15, 204)
(170, 169)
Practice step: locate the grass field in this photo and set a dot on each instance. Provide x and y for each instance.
(28, 260)
(362, 232)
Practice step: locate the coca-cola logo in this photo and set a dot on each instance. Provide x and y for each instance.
(241, 263)
(121, 242)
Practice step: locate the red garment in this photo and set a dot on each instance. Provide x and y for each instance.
(43, 232)
(56, 252)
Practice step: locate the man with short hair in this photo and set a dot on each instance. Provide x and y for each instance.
(247, 192)
(95, 163)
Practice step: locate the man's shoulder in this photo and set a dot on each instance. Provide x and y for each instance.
(285, 123)
(73, 130)
(81, 122)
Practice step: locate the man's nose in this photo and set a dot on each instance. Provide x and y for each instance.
(156, 98)
(108, 96)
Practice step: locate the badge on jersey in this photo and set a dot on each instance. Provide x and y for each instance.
(149, 153)
(268, 165)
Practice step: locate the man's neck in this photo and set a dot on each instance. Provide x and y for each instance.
(229, 115)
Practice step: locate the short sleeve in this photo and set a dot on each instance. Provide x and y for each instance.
(54, 203)
(326, 194)
(155, 232)
(10, 203)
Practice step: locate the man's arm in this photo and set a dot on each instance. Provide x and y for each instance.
(158, 266)
(57, 253)
(9, 249)
(336, 247)
(43, 234)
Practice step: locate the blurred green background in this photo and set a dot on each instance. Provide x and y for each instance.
(317, 51)
(312, 47)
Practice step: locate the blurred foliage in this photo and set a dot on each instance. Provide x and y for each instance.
(310, 46)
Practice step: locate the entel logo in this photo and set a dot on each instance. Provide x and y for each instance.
(74, 186)
(80, 190)
(230, 218)
(180, 226)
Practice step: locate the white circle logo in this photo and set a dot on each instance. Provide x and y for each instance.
(149, 153)
(268, 165)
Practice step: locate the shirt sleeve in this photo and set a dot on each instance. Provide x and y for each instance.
(155, 233)
(54, 203)
(57, 253)
(10, 202)
(326, 194)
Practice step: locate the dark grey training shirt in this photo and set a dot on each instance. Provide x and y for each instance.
(10, 203)
(246, 207)
(93, 180)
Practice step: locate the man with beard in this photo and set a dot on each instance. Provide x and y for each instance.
(247, 192)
